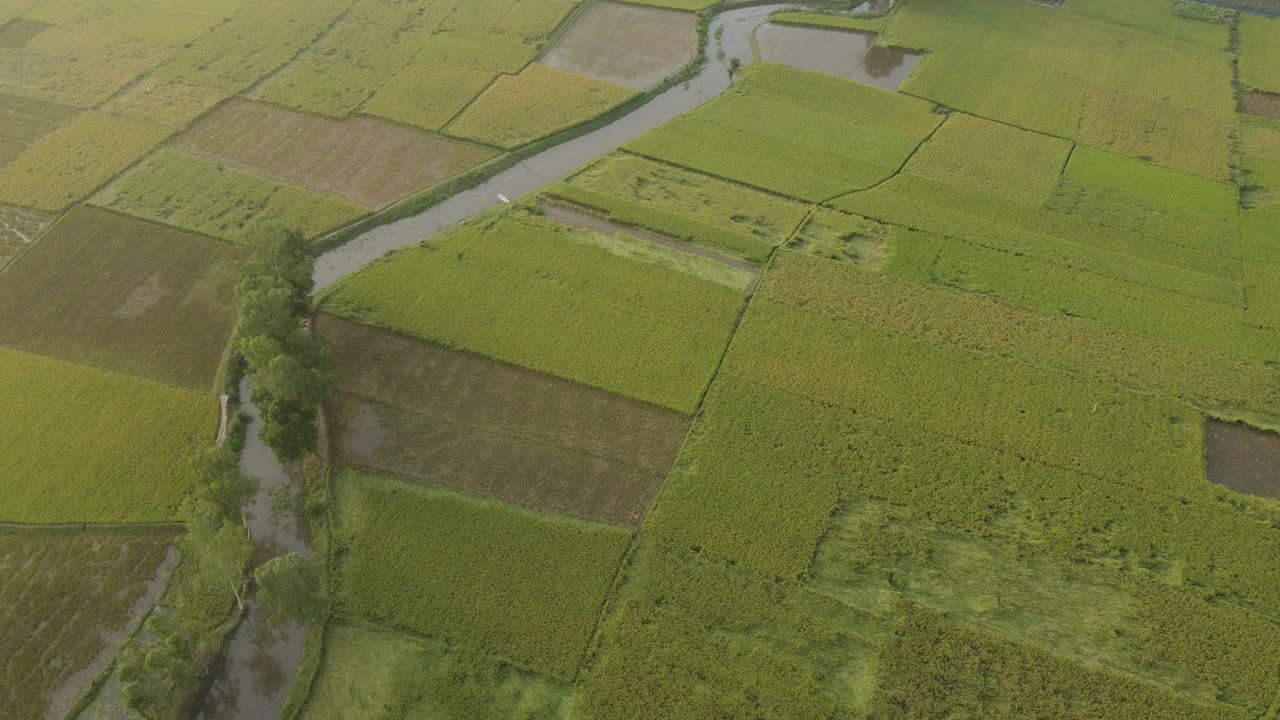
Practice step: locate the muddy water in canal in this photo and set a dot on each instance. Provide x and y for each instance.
(851, 55)
(556, 162)
(253, 680)
(1243, 459)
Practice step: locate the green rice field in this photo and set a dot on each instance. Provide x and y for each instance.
(633, 391)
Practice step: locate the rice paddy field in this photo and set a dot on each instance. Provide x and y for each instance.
(944, 388)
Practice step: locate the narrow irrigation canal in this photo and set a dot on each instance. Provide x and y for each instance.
(253, 680)
(730, 37)
(261, 661)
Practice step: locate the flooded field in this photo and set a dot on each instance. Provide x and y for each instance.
(254, 677)
(577, 218)
(1241, 458)
(851, 55)
(626, 44)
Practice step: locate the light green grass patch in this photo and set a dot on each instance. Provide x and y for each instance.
(540, 101)
(1260, 52)
(159, 100)
(112, 449)
(507, 290)
(365, 671)
(200, 194)
(501, 580)
(992, 158)
(685, 205)
(797, 133)
(428, 94)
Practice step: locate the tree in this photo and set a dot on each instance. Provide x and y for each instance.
(292, 370)
(219, 552)
(156, 673)
(222, 490)
(292, 587)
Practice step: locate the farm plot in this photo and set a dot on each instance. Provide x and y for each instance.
(367, 160)
(642, 328)
(428, 94)
(834, 235)
(372, 668)
(368, 43)
(460, 420)
(685, 205)
(68, 599)
(256, 40)
(124, 295)
(76, 65)
(694, 639)
(1260, 52)
(112, 448)
(74, 161)
(1260, 161)
(17, 32)
(26, 120)
(1205, 377)
(1149, 200)
(171, 23)
(18, 227)
(626, 44)
(495, 579)
(161, 101)
(795, 132)
(993, 159)
(518, 109)
(193, 192)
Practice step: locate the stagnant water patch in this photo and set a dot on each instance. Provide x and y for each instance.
(844, 53)
(1242, 458)
(577, 218)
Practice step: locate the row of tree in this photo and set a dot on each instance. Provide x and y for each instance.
(291, 372)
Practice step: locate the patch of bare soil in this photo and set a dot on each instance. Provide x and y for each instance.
(369, 160)
(1263, 104)
(462, 420)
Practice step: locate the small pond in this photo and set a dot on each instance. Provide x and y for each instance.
(852, 55)
(1241, 458)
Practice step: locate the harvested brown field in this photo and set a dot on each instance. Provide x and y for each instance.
(371, 161)
(25, 120)
(464, 421)
(1260, 103)
(123, 295)
(18, 227)
(626, 44)
(68, 598)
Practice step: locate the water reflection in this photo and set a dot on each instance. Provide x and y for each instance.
(1241, 458)
(847, 54)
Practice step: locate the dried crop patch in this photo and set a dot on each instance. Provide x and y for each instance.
(365, 667)
(368, 160)
(475, 573)
(76, 65)
(193, 192)
(795, 132)
(689, 206)
(626, 44)
(464, 421)
(71, 163)
(111, 448)
(641, 329)
(68, 598)
(993, 159)
(123, 295)
(18, 31)
(541, 100)
(18, 227)
(1158, 130)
